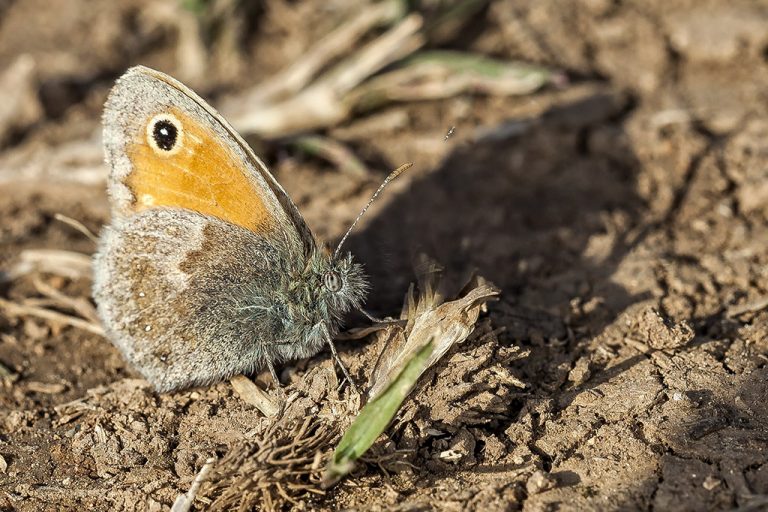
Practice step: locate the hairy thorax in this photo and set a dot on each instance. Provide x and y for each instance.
(296, 313)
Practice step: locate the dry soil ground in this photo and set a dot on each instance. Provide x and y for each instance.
(624, 215)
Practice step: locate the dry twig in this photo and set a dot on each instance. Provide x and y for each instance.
(69, 264)
(298, 75)
(21, 310)
(254, 395)
(184, 502)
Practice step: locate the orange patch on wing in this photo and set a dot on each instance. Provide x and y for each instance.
(203, 175)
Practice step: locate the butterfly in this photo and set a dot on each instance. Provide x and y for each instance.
(207, 269)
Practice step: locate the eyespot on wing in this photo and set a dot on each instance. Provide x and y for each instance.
(166, 147)
(197, 172)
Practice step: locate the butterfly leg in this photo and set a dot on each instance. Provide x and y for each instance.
(341, 365)
(382, 321)
(272, 371)
(371, 317)
(338, 359)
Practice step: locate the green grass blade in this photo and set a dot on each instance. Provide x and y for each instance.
(374, 418)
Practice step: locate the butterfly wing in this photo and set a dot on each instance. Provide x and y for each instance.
(208, 169)
(191, 277)
(168, 295)
(187, 297)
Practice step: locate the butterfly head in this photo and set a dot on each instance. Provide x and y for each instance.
(343, 285)
(343, 282)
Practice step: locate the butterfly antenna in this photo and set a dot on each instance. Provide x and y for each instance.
(394, 174)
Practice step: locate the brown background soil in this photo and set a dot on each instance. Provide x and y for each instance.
(624, 215)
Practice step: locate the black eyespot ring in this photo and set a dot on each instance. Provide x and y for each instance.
(164, 134)
(333, 281)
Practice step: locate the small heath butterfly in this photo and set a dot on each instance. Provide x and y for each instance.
(207, 269)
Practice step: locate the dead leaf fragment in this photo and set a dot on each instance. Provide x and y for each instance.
(428, 317)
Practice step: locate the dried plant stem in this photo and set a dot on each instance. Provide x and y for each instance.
(397, 43)
(438, 75)
(20, 310)
(184, 502)
(254, 395)
(295, 77)
(69, 264)
(20, 106)
(749, 307)
(320, 104)
(77, 225)
(79, 305)
(335, 152)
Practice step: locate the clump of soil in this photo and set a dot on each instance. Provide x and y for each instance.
(624, 216)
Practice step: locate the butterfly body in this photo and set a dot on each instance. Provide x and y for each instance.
(208, 269)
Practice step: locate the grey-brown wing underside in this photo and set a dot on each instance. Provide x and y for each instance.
(179, 294)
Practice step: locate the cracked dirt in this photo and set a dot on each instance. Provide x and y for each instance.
(624, 216)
